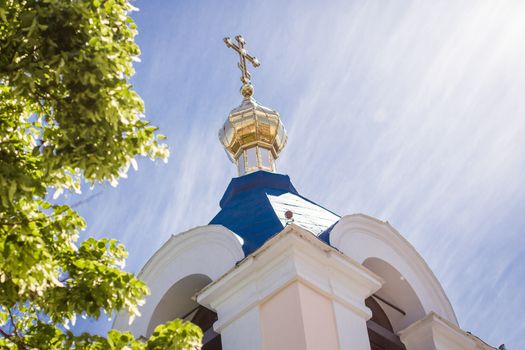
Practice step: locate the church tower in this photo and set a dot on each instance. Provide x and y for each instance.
(273, 270)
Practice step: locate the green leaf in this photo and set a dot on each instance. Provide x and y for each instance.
(70, 116)
(27, 18)
(12, 190)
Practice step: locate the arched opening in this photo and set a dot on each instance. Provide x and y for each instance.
(178, 302)
(380, 331)
(394, 307)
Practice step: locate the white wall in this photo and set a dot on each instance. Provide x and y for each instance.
(383, 250)
(208, 251)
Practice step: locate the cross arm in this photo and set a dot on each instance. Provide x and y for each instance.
(241, 51)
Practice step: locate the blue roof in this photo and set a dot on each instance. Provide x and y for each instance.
(253, 207)
(325, 235)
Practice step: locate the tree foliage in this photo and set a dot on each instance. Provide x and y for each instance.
(68, 115)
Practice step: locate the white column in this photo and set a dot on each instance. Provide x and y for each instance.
(243, 333)
(351, 327)
(295, 292)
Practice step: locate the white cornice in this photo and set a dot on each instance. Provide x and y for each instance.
(185, 240)
(442, 334)
(292, 255)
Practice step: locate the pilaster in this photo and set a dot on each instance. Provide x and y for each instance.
(295, 292)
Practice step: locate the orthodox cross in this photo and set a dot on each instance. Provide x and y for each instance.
(243, 56)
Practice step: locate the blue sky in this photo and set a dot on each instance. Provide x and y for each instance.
(412, 112)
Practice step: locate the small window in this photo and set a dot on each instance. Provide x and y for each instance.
(240, 165)
(265, 157)
(251, 154)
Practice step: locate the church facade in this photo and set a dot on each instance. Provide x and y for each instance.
(274, 270)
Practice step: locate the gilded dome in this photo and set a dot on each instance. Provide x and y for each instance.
(252, 124)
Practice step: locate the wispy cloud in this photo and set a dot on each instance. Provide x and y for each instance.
(409, 111)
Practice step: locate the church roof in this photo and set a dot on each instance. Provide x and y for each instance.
(254, 206)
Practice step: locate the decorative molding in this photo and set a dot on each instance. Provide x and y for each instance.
(189, 239)
(436, 333)
(208, 250)
(363, 224)
(292, 255)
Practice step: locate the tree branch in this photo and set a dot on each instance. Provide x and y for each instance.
(12, 321)
(18, 342)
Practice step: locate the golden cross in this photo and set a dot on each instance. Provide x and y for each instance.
(243, 56)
